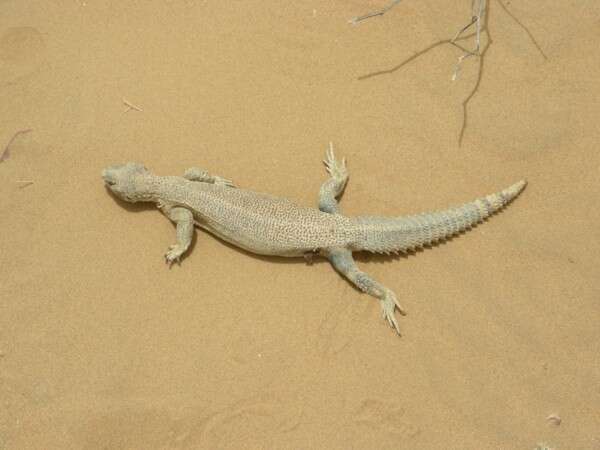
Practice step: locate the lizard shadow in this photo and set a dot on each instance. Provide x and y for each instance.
(270, 258)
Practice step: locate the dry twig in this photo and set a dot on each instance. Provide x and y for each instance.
(478, 11)
(479, 19)
(24, 183)
(380, 12)
(130, 105)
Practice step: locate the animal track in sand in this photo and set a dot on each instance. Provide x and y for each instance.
(385, 416)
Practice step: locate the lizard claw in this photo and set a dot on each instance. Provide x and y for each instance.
(337, 170)
(388, 305)
(174, 254)
(223, 181)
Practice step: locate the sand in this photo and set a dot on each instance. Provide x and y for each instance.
(101, 346)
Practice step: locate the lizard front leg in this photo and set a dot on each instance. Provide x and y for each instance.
(202, 176)
(342, 261)
(333, 187)
(184, 220)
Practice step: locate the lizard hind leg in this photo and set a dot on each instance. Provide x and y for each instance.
(334, 186)
(342, 261)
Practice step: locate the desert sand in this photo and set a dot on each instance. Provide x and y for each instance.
(103, 347)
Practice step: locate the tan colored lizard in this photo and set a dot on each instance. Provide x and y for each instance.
(268, 225)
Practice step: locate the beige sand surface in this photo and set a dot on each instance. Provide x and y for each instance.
(103, 347)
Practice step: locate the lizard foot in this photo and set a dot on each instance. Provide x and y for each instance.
(202, 176)
(196, 174)
(337, 170)
(223, 181)
(174, 254)
(389, 303)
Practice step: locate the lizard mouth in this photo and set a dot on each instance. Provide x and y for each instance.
(108, 180)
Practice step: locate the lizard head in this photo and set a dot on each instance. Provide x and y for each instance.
(124, 180)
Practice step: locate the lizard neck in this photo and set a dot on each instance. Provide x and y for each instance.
(148, 188)
(153, 188)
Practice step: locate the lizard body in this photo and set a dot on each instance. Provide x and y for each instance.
(257, 222)
(268, 225)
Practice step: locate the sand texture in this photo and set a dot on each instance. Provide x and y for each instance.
(103, 347)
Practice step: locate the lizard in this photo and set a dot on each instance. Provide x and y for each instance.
(267, 225)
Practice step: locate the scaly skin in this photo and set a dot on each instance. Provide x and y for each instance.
(268, 225)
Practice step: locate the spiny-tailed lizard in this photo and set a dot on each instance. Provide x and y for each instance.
(268, 225)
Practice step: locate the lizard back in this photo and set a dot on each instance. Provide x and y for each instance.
(258, 222)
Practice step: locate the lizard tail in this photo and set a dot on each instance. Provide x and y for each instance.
(400, 234)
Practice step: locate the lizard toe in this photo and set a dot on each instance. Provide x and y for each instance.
(389, 303)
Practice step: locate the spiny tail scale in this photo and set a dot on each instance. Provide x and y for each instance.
(400, 234)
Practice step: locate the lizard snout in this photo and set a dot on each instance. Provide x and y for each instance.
(126, 181)
(106, 176)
